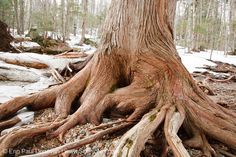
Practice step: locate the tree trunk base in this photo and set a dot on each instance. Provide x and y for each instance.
(139, 86)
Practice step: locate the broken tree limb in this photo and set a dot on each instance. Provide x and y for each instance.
(57, 76)
(69, 54)
(233, 77)
(29, 64)
(14, 73)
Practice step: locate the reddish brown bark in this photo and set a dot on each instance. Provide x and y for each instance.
(136, 71)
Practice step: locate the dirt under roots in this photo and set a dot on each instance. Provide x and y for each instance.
(150, 88)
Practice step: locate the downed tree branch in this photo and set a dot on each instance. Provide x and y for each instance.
(233, 77)
(79, 143)
(29, 64)
(9, 73)
(102, 126)
(57, 76)
(69, 54)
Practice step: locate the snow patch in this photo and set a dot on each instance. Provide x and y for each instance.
(196, 60)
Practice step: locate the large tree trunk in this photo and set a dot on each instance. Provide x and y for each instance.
(136, 71)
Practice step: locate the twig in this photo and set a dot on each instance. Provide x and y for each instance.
(107, 125)
(57, 76)
(222, 81)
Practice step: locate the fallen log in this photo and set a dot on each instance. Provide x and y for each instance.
(29, 64)
(17, 74)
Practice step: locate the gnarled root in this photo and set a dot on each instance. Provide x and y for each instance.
(149, 86)
(15, 137)
(132, 143)
(9, 123)
(232, 77)
(199, 141)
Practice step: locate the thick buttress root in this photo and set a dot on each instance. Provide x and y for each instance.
(134, 88)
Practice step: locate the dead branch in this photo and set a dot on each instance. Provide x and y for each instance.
(57, 76)
(233, 77)
(29, 64)
(102, 126)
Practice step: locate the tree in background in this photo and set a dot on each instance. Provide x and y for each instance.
(205, 24)
(84, 21)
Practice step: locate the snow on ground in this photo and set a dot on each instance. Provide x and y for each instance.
(74, 40)
(52, 61)
(9, 90)
(26, 44)
(195, 61)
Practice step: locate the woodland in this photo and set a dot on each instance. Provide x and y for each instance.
(120, 78)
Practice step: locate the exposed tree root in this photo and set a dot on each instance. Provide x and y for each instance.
(233, 77)
(107, 125)
(9, 123)
(80, 143)
(172, 102)
(199, 141)
(132, 143)
(16, 137)
(173, 122)
(205, 88)
(137, 76)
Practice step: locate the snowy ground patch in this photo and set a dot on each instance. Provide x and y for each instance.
(25, 44)
(73, 43)
(195, 61)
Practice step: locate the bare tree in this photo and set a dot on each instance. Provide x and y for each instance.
(84, 21)
(15, 2)
(63, 29)
(22, 14)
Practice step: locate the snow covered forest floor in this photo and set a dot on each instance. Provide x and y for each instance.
(18, 80)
